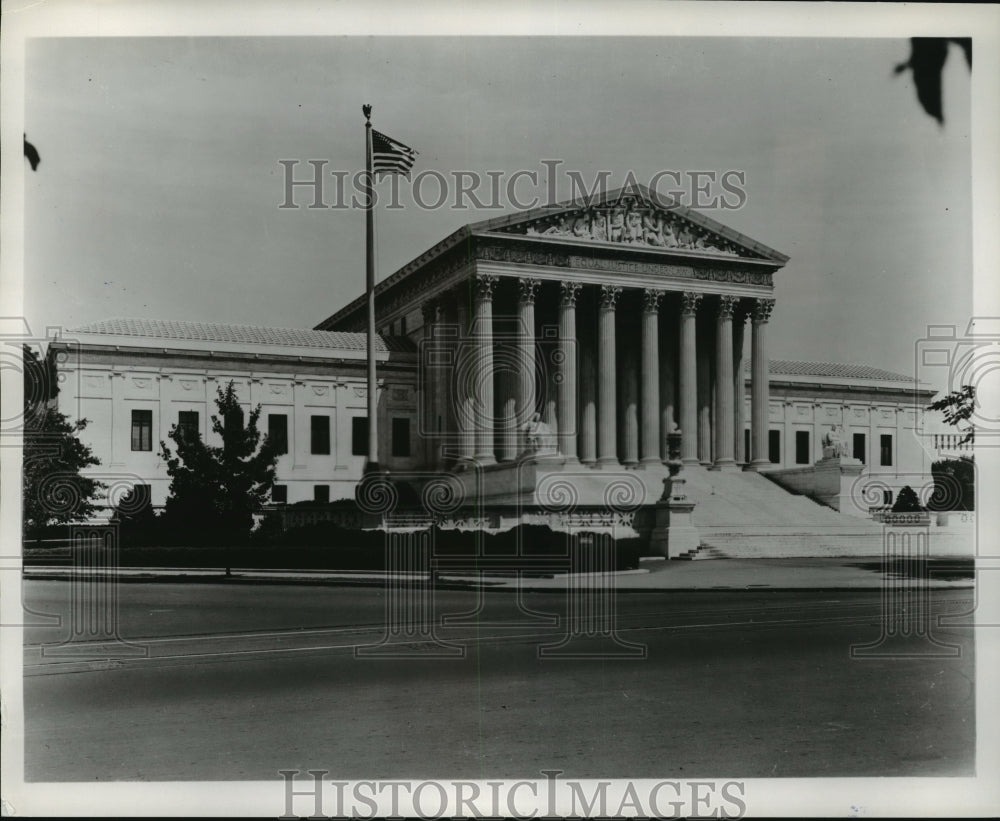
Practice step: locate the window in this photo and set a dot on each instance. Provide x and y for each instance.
(885, 449)
(774, 447)
(279, 494)
(359, 436)
(321, 493)
(142, 430)
(400, 437)
(187, 423)
(802, 447)
(402, 326)
(319, 435)
(746, 445)
(277, 431)
(859, 447)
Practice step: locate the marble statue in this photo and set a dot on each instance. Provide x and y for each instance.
(540, 439)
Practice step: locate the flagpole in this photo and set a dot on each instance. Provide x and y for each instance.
(372, 465)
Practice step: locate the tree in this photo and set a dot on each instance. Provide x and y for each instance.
(216, 490)
(53, 491)
(954, 484)
(958, 407)
(927, 59)
(907, 501)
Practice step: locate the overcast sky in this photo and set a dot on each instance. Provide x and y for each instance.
(159, 186)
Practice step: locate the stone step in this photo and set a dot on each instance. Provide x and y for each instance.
(746, 500)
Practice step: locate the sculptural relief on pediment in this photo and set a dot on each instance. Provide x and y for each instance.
(630, 223)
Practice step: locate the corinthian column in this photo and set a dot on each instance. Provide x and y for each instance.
(568, 292)
(759, 401)
(628, 389)
(650, 388)
(482, 377)
(461, 388)
(428, 378)
(725, 421)
(527, 398)
(739, 383)
(588, 386)
(607, 449)
(688, 388)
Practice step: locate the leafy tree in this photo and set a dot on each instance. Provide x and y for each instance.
(958, 407)
(927, 59)
(53, 491)
(907, 501)
(216, 490)
(954, 484)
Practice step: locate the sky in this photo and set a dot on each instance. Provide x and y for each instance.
(160, 182)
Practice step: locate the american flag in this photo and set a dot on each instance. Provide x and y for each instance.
(390, 156)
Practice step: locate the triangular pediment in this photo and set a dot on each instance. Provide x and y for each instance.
(632, 217)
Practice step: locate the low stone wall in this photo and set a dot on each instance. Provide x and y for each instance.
(830, 482)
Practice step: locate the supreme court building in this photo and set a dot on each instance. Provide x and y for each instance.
(537, 362)
(616, 322)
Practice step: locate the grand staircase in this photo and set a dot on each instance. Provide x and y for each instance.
(745, 515)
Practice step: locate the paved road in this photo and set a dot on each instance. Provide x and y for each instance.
(242, 681)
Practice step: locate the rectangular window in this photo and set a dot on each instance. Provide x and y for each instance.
(279, 494)
(321, 493)
(319, 435)
(802, 447)
(400, 437)
(187, 423)
(885, 449)
(359, 436)
(774, 447)
(277, 431)
(746, 445)
(142, 430)
(402, 326)
(859, 446)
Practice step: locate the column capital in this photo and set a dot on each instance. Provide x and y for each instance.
(527, 290)
(762, 309)
(609, 295)
(727, 304)
(568, 292)
(485, 283)
(690, 302)
(651, 300)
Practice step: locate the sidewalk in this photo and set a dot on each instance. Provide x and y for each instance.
(731, 574)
